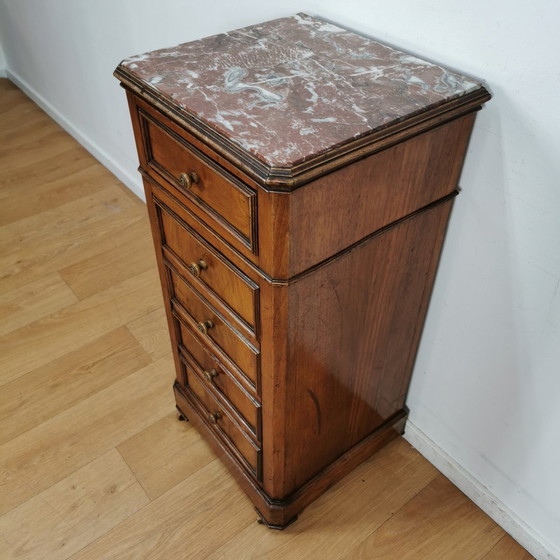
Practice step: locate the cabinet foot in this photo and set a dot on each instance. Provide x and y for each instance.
(262, 521)
(181, 417)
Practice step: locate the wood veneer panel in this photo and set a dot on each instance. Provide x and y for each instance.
(351, 323)
(235, 290)
(339, 209)
(170, 157)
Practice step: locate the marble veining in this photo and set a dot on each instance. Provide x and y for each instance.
(290, 89)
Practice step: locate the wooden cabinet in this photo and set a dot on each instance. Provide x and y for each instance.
(299, 180)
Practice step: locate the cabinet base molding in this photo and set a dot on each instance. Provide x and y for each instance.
(278, 514)
(262, 521)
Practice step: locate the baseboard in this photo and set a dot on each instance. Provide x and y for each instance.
(3, 73)
(480, 495)
(133, 183)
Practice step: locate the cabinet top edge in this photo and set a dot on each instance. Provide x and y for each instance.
(286, 98)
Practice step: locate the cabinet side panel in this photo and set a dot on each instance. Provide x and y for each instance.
(354, 325)
(339, 209)
(275, 385)
(274, 234)
(274, 211)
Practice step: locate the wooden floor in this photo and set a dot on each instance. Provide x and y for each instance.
(93, 463)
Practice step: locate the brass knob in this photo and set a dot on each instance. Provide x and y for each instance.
(213, 418)
(187, 180)
(204, 326)
(197, 267)
(209, 375)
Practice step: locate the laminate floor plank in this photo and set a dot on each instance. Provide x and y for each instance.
(347, 513)
(103, 270)
(29, 134)
(164, 454)
(33, 301)
(44, 455)
(198, 514)
(72, 513)
(152, 333)
(58, 225)
(49, 338)
(19, 116)
(508, 549)
(26, 266)
(439, 522)
(56, 186)
(5, 549)
(17, 130)
(53, 168)
(50, 389)
(11, 97)
(53, 142)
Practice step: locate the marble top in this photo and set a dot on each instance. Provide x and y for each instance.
(290, 89)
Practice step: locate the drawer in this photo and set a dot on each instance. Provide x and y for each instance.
(195, 177)
(221, 380)
(215, 415)
(213, 327)
(235, 290)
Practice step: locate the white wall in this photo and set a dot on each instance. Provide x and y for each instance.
(2, 60)
(486, 384)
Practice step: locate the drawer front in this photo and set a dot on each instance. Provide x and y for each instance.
(195, 177)
(219, 420)
(213, 327)
(221, 380)
(232, 287)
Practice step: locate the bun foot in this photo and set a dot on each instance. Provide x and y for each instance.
(262, 521)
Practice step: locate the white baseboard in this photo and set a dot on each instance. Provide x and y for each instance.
(480, 495)
(131, 182)
(3, 73)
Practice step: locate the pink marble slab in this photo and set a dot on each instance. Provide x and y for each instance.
(290, 89)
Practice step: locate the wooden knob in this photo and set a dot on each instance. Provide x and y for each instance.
(197, 267)
(209, 375)
(213, 418)
(204, 326)
(187, 180)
